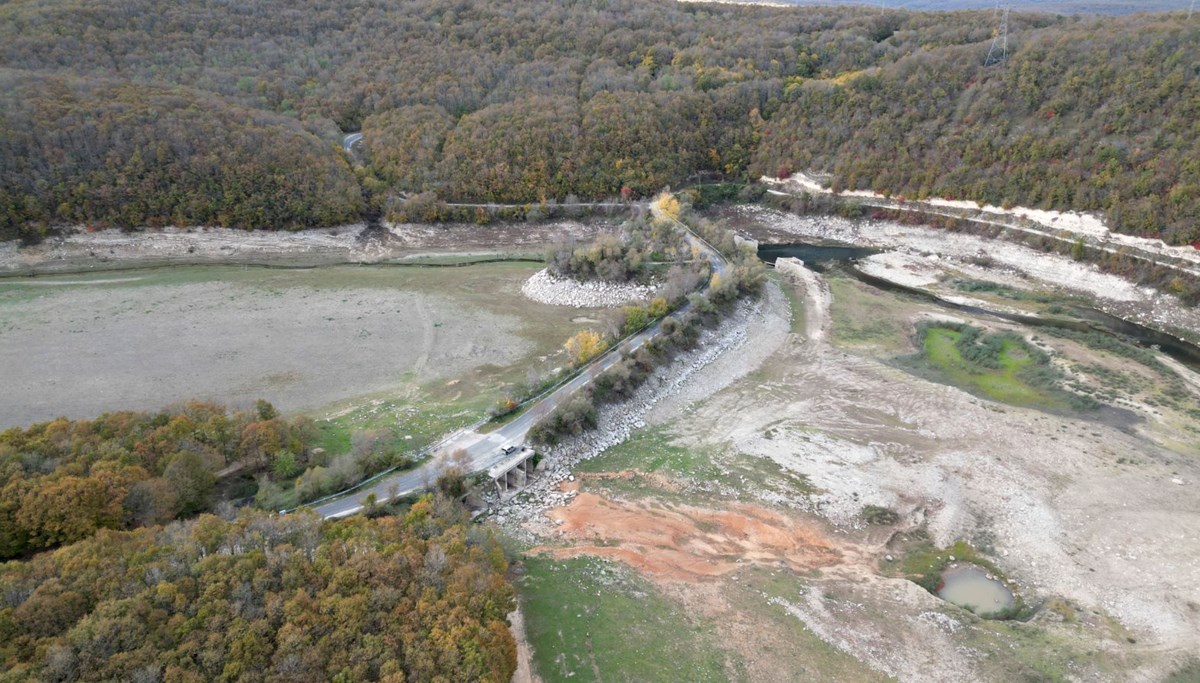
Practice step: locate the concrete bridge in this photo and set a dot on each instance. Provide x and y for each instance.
(512, 474)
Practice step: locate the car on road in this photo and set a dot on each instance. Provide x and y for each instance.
(509, 450)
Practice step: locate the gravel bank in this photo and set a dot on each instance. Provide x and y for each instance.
(544, 287)
(697, 374)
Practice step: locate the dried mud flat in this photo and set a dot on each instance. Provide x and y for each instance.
(1063, 517)
(300, 339)
(1097, 525)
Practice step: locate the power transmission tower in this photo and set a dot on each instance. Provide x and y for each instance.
(998, 52)
(1191, 10)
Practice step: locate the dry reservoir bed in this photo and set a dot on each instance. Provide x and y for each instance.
(81, 345)
(794, 520)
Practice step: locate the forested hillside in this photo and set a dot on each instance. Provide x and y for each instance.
(265, 598)
(61, 481)
(1077, 118)
(112, 153)
(517, 102)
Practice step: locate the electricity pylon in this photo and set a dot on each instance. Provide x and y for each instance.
(998, 52)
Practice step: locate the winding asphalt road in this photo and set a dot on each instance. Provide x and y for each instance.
(486, 450)
(350, 141)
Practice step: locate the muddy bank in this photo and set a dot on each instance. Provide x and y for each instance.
(687, 543)
(83, 251)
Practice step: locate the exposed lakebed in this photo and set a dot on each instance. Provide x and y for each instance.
(81, 344)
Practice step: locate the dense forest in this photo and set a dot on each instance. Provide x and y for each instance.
(61, 481)
(522, 102)
(111, 153)
(265, 598)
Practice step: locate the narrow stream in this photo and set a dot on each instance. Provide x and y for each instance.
(819, 257)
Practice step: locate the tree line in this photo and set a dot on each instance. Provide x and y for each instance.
(115, 154)
(743, 276)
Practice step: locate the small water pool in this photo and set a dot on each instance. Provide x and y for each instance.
(813, 253)
(969, 586)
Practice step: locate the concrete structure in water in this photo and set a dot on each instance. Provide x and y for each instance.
(511, 475)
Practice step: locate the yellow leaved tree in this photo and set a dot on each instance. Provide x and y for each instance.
(668, 205)
(585, 346)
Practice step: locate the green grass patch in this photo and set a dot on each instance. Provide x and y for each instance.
(652, 450)
(1002, 291)
(425, 421)
(1000, 383)
(923, 562)
(867, 317)
(795, 301)
(591, 620)
(1029, 651)
(1000, 366)
(709, 472)
(785, 639)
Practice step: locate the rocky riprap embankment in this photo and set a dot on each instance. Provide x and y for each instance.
(547, 288)
(524, 511)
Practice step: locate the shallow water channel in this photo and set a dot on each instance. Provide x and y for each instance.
(969, 586)
(820, 257)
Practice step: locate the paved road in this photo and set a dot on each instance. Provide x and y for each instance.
(350, 141)
(486, 450)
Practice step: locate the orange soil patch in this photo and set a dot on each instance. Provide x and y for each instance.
(686, 543)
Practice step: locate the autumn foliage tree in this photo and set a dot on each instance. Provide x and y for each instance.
(584, 346)
(63, 480)
(149, 112)
(265, 598)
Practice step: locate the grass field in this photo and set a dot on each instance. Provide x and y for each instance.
(591, 620)
(795, 301)
(707, 472)
(416, 422)
(867, 317)
(1000, 384)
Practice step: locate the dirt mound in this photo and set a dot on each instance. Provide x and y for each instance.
(686, 543)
